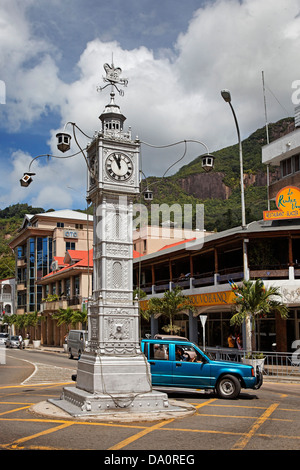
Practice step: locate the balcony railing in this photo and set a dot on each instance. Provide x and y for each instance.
(5, 297)
(222, 277)
(63, 303)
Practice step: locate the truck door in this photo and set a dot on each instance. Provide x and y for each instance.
(161, 366)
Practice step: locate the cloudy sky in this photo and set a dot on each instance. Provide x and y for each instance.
(177, 56)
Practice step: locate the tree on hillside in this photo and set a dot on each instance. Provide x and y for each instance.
(19, 210)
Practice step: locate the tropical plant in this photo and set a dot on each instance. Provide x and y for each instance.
(9, 319)
(139, 294)
(23, 320)
(68, 316)
(253, 300)
(31, 320)
(79, 316)
(51, 298)
(171, 304)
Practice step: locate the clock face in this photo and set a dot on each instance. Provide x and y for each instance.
(119, 166)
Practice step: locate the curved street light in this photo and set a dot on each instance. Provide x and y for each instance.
(247, 327)
(227, 97)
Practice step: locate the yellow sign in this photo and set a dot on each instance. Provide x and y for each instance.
(212, 298)
(288, 204)
(206, 299)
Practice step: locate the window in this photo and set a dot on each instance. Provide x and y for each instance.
(286, 167)
(20, 252)
(159, 351)
(76, 285)
(187, 353)
(60, 224)
(67, 287)
(297, 162)
(70, 246)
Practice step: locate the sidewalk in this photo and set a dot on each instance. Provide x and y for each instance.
(55, 349)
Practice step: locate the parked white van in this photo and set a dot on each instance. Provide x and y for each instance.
(77, 342)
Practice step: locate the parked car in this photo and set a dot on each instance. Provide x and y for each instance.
(76, 342)
(3, 338)
(13, 342)
(181, 364)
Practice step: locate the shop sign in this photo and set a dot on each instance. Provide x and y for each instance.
(212, 298)
(70, 234)
(288, 205)
(205, 299)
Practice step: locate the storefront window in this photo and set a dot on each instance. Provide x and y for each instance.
(217, 329)
(76, 285)
(265, 334)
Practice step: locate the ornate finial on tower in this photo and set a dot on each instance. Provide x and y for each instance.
(113, 78)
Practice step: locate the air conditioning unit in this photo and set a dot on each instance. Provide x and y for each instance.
(54, 265)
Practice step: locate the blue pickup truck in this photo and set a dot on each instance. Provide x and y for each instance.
(181, 364)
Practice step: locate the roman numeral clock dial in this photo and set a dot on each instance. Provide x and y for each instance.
(119, 166)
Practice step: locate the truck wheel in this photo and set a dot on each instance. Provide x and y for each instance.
(70, 354)
(228, 387)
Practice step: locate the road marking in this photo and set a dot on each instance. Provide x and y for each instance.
(205, 403)
(16, 443)
(46, 385)
(15, 403)
(15, 409)
(140, 434)
(243, 441)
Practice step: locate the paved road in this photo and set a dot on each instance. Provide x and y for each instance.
(36, 367)
(266, 419)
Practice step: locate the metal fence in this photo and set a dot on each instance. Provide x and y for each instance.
(275, 364)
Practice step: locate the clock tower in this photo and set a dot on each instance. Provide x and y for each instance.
(113, 373)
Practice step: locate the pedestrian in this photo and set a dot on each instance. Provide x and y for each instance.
(231, 341)
(239, 342)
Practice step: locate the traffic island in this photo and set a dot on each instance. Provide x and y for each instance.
(57, 408)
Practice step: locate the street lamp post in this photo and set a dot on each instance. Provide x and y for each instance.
(227, 97)
(247, 327)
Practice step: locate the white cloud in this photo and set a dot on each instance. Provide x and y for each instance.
(169, 98)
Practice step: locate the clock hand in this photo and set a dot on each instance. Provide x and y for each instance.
(117, 159)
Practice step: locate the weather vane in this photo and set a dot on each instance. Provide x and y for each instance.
(113, 78)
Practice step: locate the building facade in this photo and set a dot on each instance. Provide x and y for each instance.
(285, 154)
(69, 285)
(152, 238)
(40, 239)
(7, 298)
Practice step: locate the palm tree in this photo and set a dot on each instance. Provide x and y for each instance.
(253, 300)
(69, 317)
(79, 316)
(32, 319)
(171, 304)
